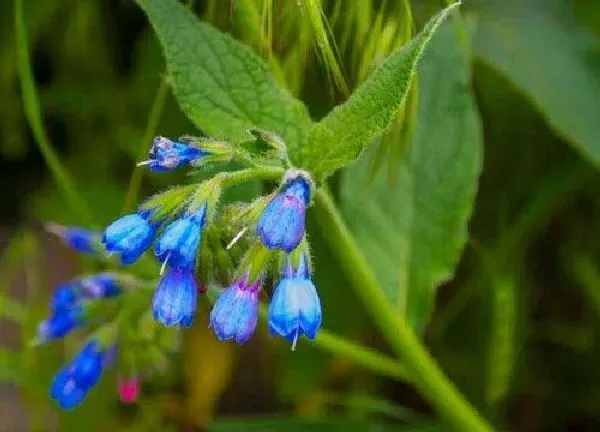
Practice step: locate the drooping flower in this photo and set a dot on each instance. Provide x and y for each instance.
(129, 390)
(281, 225)
(166, 155)
(235, 313)
(295, 309)
(129, 236)
(67, 295)
(103, 285)
(71, 384)
(60, 323)
(179, 243)
(175, 298)
(80, 239)
(64, 297)
(87, 365)
(66, 307)
(64, 390)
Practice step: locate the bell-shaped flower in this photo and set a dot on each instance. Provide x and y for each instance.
(282, 223)
(235, 313)
(174, 300)
(178, 244)
(295, 308)
(129, 236)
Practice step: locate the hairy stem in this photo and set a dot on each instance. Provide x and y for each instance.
(232, 178)
(429, 378)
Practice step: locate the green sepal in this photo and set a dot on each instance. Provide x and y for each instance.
(168, 204)
(255, 262)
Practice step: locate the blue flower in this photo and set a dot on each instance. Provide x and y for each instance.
(87, 366)
(64, 390)
(71, 384)
(64, 297)
(295, 308)
(60, 323)
(235, 313)
(179, 243)
(166, 155)
(103, 285)
(174, 300)
(81, 239)
(129, 236)
(281, 224)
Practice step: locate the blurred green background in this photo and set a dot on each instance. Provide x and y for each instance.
(517, 329)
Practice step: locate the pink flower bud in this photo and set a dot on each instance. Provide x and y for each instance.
(129, 390)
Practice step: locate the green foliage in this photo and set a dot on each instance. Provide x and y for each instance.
(546, 53)
(226, 89)
(340, 137)
(221, 85)
(413, 230)
(522, 335)
(333, 425)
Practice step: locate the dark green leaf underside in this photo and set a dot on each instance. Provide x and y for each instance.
(413, 231)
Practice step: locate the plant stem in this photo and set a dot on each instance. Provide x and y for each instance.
(427, 375)
(153, 119)
(34, 118)
(232, 178)
(361, 355)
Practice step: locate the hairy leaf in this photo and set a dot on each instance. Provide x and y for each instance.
(413, 231)
(221, 85)
(340, 137)
(541, 48)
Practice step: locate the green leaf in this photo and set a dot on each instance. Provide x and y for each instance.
(341, 136)
(12, 310)
(293, 425)
(542, 49)
(221, 85)
(413, 231)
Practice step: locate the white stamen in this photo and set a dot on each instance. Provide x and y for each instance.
(237, 237)
(142, 163)
(295, 340)
(164, 264)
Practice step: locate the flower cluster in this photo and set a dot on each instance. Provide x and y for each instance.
(68, 310)
(67, 304)
(173, 225)
(175, 298)
(97, 300)
(280, 230)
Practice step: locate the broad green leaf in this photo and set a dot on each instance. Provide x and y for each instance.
(221, 85)
(348, 129)
(541, 48)
(294, 425)
(413, 231)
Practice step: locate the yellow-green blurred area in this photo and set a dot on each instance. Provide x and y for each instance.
(517, 329)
